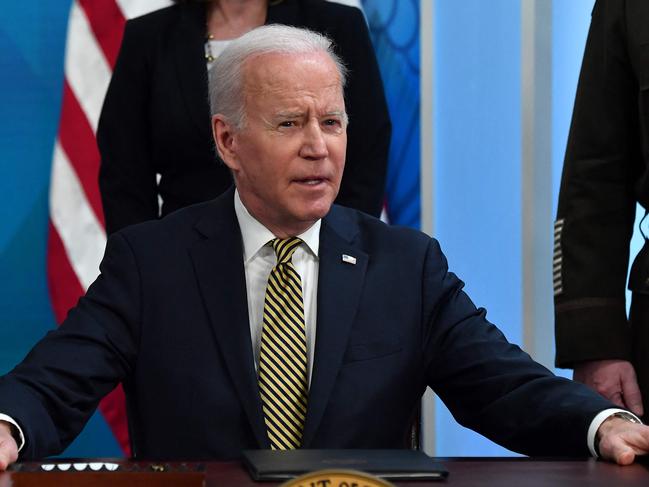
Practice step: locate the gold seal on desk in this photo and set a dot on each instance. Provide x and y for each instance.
(337, 478)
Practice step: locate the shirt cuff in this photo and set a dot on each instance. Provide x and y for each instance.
(597, 422)
(21, 437)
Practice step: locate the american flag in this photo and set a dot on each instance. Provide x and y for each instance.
(77, 237)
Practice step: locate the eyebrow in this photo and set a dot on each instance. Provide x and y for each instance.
(289, 115)
(338, 113)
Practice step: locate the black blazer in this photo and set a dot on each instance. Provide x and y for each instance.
(156, 117)
(169, 316)
(605, 173)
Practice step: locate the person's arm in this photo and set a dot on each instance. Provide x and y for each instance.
(596, 209)
(369, 131)
(49, 394)
(127, 176)
(490, 385)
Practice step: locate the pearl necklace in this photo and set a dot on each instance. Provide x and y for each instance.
(209, 57)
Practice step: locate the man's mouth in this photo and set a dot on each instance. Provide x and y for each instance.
(310, 181)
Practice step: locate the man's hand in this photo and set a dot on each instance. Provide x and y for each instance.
(8, 446)
(613, 379)
(620, 441)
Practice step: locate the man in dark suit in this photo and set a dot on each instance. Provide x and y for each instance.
(224, 342)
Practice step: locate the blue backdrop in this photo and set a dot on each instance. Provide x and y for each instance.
(32, 43)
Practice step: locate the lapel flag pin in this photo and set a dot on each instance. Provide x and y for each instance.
(348, 259)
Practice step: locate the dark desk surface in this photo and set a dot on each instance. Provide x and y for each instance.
(463, 472)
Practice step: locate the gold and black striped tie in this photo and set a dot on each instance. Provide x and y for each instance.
(282, 357)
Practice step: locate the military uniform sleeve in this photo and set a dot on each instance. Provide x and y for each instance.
(596, 207)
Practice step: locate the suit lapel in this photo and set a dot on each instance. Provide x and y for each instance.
(339, 289)
(188, 47)
(218, 264)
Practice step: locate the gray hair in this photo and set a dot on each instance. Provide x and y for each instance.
(226, 81)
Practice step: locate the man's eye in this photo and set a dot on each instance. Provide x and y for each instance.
(287, 123)
(332, 122)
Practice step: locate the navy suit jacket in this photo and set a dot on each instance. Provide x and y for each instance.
(168, 317)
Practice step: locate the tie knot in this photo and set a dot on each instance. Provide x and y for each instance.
(285, 247)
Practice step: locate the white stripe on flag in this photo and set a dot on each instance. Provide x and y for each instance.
(86, 68)
(82, 235)
(135, 8)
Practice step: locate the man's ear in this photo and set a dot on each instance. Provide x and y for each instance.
(223, 133)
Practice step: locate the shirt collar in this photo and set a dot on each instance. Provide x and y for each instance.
(255, 235)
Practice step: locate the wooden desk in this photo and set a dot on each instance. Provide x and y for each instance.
(463, 472)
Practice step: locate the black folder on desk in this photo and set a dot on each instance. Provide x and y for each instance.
(276, 465)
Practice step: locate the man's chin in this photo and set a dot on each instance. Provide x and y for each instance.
(316, 210)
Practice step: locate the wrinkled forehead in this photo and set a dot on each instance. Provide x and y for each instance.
(275, 71)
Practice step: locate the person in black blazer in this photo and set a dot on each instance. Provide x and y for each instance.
(605, 174)
(171, 314)
(156, 119)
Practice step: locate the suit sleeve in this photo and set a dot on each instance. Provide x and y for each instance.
(363, 184)
(53, 392)
(127, 176)
(490, 385)
(596, 207)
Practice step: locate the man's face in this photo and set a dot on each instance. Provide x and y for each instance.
(289, 157)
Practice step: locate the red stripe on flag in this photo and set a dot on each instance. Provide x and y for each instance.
(65, 291)
(78, 142)
(64, 286)
(107, 23)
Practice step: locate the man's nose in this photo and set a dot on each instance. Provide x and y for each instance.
(314, 145)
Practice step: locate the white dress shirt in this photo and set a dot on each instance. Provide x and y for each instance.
(259, 259)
